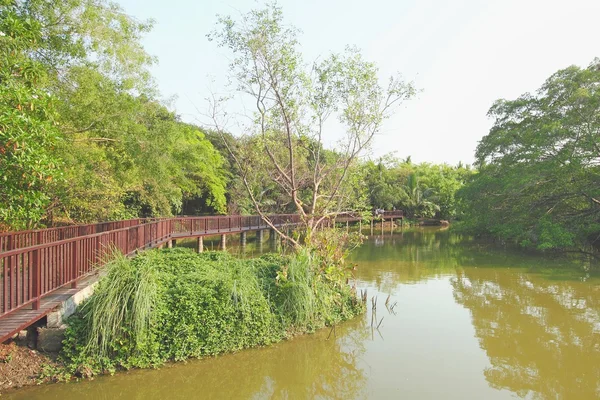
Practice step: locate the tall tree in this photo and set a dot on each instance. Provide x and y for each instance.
(292, 103)
(417, 200)
(539, 167)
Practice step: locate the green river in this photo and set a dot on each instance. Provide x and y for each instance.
(464, 320)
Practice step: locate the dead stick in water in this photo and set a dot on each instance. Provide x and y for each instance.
(332, 328)
(380, 322)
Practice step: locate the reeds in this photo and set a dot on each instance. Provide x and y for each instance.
(124, 301)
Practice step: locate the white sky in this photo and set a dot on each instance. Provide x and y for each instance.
(462, 54)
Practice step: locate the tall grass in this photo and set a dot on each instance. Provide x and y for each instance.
(298, 299)
(123, 300)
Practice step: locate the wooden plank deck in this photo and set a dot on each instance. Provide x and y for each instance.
(24, 317)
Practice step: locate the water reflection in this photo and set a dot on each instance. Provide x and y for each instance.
(537, 319)
(542, 337)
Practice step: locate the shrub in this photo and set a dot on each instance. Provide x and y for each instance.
(174, 304)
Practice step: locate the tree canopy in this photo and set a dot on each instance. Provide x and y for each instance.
(422, 190)
(85, 136)
(83, 133)
(539, 166)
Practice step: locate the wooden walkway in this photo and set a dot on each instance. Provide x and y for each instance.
(41, 269)
(26, 316)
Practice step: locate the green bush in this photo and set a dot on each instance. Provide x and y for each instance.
(174, 304)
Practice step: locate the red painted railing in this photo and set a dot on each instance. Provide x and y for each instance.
(20, 239)
(28, 273)
(35, 263)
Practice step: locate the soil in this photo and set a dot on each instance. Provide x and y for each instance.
(21, 366)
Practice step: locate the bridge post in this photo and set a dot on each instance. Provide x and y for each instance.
(272, 234)
(360, 225)
(223, 242)
(75, 262)
(259, 235)
(371, 226)
(242, 239)
(36, 281)
(392, 225)
(347, 226)
(200, 244)
(382, 221)
(170, 244)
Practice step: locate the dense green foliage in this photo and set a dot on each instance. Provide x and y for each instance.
(175, 304)
(539, 172)
(83, 135)
(28, 133)
(422, 190)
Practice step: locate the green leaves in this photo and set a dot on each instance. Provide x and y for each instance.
(422, 190)
(292, 169)
(82, 135)
(28, 134)
(538, 167)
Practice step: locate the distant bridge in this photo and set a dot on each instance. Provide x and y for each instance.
(39, 269)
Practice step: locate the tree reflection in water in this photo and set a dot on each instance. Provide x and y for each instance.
(542, 337)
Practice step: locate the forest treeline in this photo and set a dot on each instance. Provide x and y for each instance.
(85, 136)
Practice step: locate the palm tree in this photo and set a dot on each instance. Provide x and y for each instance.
(418, 202)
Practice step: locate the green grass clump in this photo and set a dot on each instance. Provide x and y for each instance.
(175, 304)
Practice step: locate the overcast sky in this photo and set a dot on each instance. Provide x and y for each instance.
(462, 54)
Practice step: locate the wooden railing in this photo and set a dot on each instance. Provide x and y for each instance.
(20, 239)
(35, 263)
(28, 273)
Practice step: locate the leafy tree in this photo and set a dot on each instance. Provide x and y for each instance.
(384, 183)
(420, 189)
(443, 181)
(293, 103)
(82, 134)
(28, 134)
(130, 156)
(539, 171)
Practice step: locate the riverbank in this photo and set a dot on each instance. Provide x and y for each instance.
(172, 304)
(21, 366)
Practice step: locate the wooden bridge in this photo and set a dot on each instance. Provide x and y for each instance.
(39, 269)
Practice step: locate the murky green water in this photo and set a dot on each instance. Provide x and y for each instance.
(464, 320)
